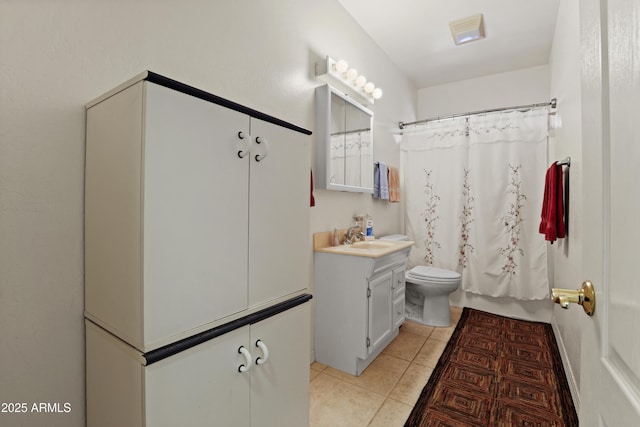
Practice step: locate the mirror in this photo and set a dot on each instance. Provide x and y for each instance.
(344, 142)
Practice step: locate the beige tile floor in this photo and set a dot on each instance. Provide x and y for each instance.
(384, 394)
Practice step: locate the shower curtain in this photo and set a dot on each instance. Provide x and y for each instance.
(474, 188)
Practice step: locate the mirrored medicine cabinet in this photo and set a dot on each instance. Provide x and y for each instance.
(344, 142)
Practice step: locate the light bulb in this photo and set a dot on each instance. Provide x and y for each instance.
(341, 66)
(377, 93)
(352, 73)
(369, 87)
(360, 81)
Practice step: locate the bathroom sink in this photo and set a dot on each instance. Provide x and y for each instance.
(367, 248)
(367, 244)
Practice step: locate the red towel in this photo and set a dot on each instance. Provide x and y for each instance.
(312, 199)
(552, 223)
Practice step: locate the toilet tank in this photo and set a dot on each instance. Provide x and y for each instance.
(395, 237)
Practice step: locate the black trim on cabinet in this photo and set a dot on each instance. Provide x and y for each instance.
(168, 350)
(198, 93)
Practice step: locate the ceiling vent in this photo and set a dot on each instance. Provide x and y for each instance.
(466, 30)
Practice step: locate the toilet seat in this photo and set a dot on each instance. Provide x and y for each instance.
(433, 275)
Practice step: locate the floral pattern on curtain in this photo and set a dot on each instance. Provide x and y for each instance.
(474, 188)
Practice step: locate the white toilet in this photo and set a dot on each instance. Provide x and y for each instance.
(427, 292)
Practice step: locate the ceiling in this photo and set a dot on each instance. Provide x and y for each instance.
(415, 35)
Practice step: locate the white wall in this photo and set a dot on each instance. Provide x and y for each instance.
(521, 87)
(567, 254)
(526, 86)
(55, 57)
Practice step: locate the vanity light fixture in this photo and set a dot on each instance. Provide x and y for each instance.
(339, 73)
(468, 29)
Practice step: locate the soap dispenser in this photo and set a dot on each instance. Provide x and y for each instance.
(369, 228)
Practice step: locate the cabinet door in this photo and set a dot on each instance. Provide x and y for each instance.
(280, 387)
(200, 386)
(279, 213)
(195, 213)
(380, 317)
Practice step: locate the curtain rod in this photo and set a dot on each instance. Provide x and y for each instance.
(553, 103)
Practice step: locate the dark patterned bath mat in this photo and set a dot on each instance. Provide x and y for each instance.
(496, 371)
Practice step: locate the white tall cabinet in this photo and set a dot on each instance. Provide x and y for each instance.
(196, 240)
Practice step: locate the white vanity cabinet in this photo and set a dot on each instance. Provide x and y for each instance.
(202, 385)
(185, 201)
(357, 299)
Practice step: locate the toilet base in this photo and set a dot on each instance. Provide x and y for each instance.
(435, 312)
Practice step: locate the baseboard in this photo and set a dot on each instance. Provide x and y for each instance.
(571, 379)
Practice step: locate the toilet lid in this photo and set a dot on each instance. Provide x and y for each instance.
(433, 274)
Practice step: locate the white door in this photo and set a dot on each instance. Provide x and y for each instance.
(278, 212)
(280, 386)
(201, 386)
(195, 213)
(610, 367)
(380, 315)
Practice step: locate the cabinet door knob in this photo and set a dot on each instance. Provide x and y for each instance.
(261, 140)
(265, 353)
(243, 136)
(247, 357)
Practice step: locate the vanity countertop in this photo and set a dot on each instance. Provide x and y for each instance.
(367, 248)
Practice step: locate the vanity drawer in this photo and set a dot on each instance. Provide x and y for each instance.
(398, 311)
(398, 284)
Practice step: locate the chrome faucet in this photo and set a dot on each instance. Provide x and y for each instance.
(352, 236)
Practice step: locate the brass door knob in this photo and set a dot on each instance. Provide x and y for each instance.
(585, 296)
